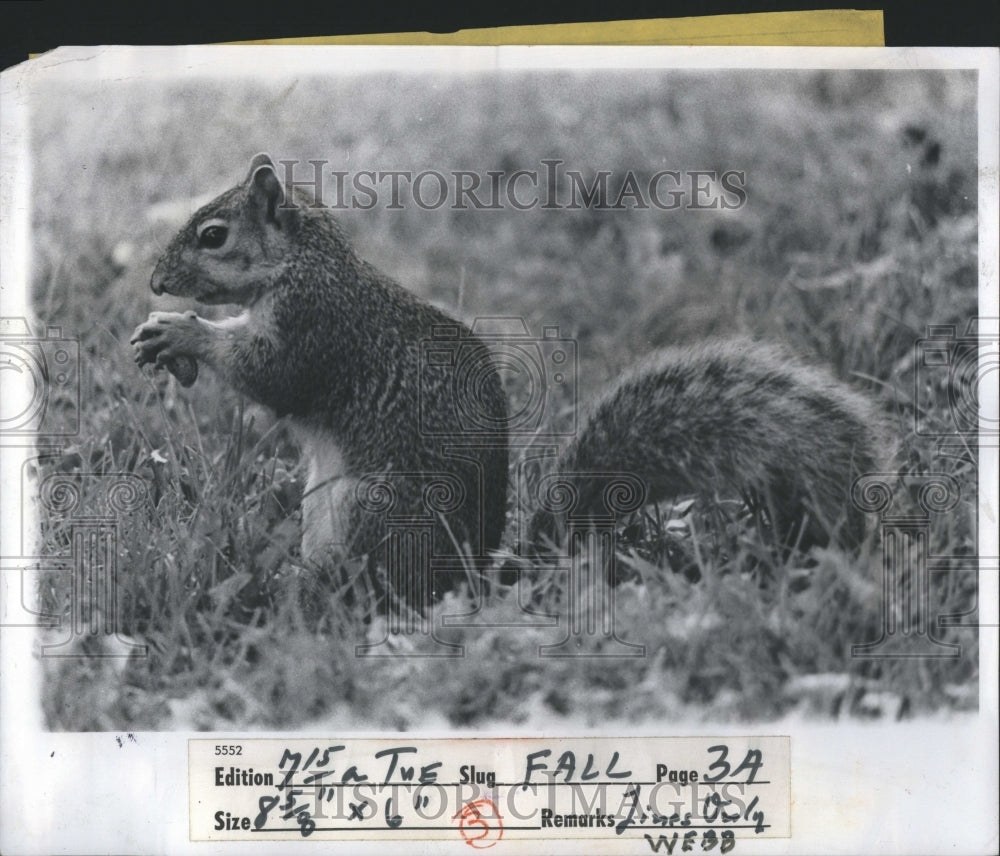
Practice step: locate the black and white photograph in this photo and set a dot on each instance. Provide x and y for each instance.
(506, 393)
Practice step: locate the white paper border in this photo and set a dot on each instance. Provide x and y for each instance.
(917, 787)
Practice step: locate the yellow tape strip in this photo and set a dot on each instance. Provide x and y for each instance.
(828, 27)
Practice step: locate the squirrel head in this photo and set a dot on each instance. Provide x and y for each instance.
(234, 247)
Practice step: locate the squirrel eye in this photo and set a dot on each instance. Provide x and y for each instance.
(212, 237)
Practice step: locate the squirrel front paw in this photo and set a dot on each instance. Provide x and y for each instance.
(168, 340)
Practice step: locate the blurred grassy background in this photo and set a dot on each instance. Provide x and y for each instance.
(859, 230)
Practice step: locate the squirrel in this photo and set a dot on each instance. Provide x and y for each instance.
(336, 346)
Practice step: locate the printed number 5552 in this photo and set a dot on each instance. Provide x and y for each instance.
(228, 750)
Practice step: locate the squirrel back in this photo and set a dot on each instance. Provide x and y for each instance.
(339, 348)
(731, 419)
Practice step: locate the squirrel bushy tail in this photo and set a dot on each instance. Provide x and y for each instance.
(726, 419)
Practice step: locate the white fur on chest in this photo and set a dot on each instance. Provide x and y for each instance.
(329, 494)
(324, 460)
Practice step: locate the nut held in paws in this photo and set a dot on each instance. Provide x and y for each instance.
(185, 369)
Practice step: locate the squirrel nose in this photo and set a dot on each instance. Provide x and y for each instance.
(156, 281)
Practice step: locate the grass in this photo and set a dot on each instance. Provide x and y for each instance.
(860, 230)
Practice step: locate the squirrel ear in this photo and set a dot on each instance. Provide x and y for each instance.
(265, 190)
(257, 162)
